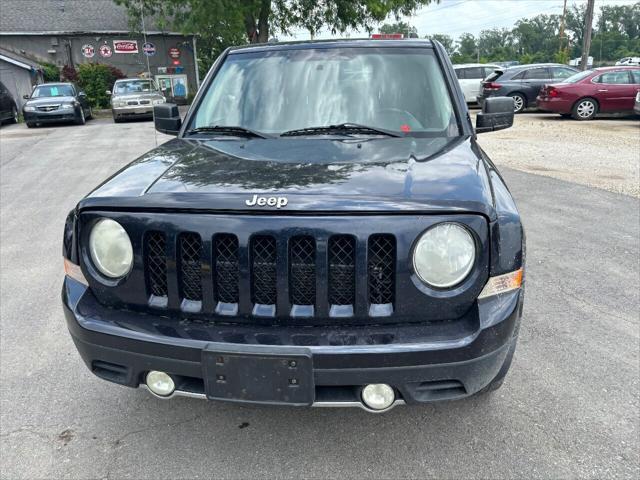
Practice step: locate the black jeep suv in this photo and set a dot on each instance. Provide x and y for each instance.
(324, 230)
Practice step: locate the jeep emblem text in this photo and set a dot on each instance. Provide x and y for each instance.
(277, 202)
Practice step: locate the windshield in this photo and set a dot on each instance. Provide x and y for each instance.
(577, 77)
(134, 86)
(53, 91)
(397, 89)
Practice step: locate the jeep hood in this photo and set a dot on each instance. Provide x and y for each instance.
(315, 175)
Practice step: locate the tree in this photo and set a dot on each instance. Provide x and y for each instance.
(399, 27)
(50, 72)
(537, 37)
(467, 49)
(445, 40)
(260, 18)
(496, 44)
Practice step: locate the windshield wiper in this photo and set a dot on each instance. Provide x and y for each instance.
(341, 128)
(228, 130)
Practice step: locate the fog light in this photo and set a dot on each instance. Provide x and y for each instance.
(160, 383)
(378, 396)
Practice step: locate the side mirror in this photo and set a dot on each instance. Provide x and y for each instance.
(82, 94)
(108, 92)
(497, 114)
(167, 118)
(26, 96)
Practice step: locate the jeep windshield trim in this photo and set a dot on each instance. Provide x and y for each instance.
(397, 91)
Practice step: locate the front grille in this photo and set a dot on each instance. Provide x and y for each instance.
(132, 102)
(342, 270)
(190, 266)
(48, 108)
(302, 271)
(298, 276)
(381, 269)
(226, 268)
(144, 102)
(263, 270)
(155, 252)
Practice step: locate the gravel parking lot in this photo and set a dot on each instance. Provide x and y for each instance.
(570, 406)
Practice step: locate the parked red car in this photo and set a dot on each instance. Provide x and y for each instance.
(585, 94)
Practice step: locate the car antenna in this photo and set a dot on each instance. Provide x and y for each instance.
(144, 36)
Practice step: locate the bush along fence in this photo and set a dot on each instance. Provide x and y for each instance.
(94, 79)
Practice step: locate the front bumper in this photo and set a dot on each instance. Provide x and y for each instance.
(54, 116)
(424, 363)
(133, 111)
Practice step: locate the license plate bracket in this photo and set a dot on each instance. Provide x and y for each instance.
(253, 373)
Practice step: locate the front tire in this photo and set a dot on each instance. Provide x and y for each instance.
(519, 102)
(81, 119)
(30, 124)
(14, 115)
(585, 109)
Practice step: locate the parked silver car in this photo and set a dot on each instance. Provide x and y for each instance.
(134, 98)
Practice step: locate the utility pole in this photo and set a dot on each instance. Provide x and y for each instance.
(586, 43)
(564, 15)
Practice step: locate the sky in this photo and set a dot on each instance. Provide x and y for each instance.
(455, 17)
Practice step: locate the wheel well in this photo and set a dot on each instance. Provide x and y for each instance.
(586, 98)
(524, 97)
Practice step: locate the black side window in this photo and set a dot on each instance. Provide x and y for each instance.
(537, 73)
(488, 71)
(474, 73)
(518, 76)
(615, 78)
(460, 73)
(635, 74)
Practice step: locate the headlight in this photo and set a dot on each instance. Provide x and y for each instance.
(110, 248)
(444, 255)
(29, 108)
(119, 103)
(159, 101)
(67, 106)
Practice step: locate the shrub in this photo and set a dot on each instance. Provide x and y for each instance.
(69, 74)
(95, 79)
(50, 72)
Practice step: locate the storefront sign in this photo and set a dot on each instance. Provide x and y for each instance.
(149, 49)
(105, 51)
(125, 46)
(174, 52)
(88, 51)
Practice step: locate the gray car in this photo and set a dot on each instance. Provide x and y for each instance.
(56, 103)
(523, 83)
(134, 98)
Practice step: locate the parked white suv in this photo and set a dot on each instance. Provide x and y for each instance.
(470, 76)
